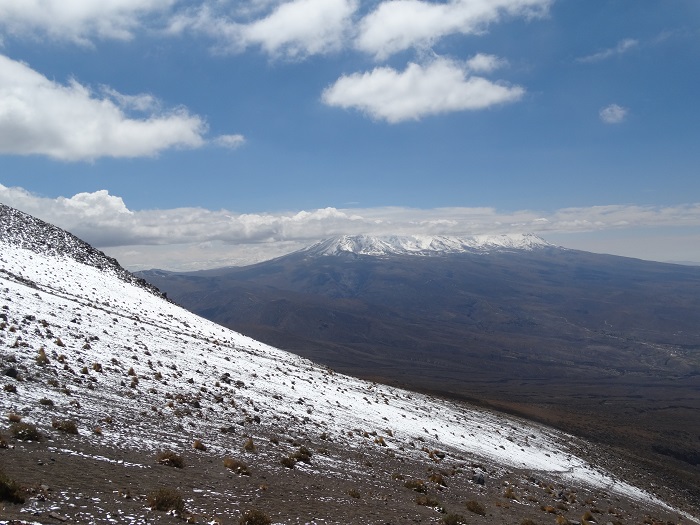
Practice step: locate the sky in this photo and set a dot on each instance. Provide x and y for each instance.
(202, 133)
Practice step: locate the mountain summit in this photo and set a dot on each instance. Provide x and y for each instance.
(425, 245)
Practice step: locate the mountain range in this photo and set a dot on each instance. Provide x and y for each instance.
(600, 346)
(123, 407)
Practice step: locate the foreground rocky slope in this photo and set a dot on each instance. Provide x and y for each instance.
(100, 375)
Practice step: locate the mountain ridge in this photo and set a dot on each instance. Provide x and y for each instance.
(422, 245)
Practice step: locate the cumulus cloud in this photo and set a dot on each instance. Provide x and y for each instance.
(69, 122)
(441, 86)
(78, 20)
(621, 48)
(189, 238)
(294, 29)
(613, 114)
(398, 25)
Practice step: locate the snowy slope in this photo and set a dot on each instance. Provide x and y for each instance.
(100, 330)
(424, 245)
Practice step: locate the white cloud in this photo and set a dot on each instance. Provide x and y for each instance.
(402, 24)
(189, 238)
(294, 29)
(230, 141)
(78, 20)
(440, 87)
(621, 48)
(484, 63)
(613, 114)
(302, 27)
(69, 122)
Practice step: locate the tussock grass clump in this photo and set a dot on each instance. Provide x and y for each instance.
(476, 508)
(41, 358)
(354, 493)
(249, 445)
(427, 501)
(170, 458)
(10, 388)
(254, 517)
(510, 494)
(166, 499)
(198, 445)
(65, 425)
(454, 519)
(438, 478)
(303, 455)
(25, 432)
(14, 418)
(288, 461)
(45, 401)
(237, 466)
(415, 484)
(10, 490)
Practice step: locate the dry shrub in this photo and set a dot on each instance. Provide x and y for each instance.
(509, 493)
(438, 478)
(476, 508)
(166, 499)
(41, 358)
(14, 418)
(354, 493)
(561, 520)
(427, 501)
(12, 389)
(10, 490)
(65, 425)
(25, 432)
(254, 517)
(415, 484)
(237, 466)
(97, 367)
(198, 445)
(46, 402)
(249, 446)
(303, 454)
(288, 461)
(170, 458)
(454, 519)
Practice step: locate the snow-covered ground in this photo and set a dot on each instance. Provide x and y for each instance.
(123, 350)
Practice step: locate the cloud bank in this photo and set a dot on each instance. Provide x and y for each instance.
(196, 238)
(70, 122)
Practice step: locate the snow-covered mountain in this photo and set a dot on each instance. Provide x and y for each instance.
(80, 341)
(425, 245)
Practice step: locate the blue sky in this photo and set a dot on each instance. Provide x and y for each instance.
(201, 133)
